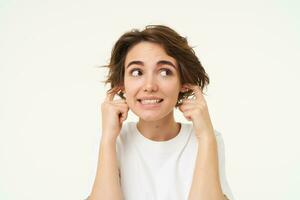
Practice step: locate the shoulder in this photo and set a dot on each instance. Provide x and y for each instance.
(189, 129)
(127, 127)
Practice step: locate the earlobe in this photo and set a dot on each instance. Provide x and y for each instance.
(184, 89)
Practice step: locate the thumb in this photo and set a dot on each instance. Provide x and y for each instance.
(123, 116)
(180, 108)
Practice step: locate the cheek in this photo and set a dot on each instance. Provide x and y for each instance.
(170, 87)
(172, 91)
(131, 88)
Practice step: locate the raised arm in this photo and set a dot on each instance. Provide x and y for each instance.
(206, 180)
(107, 181)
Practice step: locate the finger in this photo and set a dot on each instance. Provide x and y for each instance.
(196, 90)
(121, 107)
(188, 101)
(188, 107)
(185, 102)
(119, 101)
(187, 115)
(110, 94)
(123, 111)
(123, 116)
(195, 102)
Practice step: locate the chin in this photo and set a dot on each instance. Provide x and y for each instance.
(151, 116)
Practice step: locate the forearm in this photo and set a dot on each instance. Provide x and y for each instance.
(107, 182)
(206, 182)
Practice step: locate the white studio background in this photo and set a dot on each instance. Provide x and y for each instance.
(51, 91)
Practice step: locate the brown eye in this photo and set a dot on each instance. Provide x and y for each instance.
(135, 72)
(166, 72)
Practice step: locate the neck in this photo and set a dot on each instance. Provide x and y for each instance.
(160, 130)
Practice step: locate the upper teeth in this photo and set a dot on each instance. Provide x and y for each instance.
(149, 101)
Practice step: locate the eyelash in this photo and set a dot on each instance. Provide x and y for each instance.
(169, 72)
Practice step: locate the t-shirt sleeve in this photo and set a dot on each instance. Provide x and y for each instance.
(222, 170)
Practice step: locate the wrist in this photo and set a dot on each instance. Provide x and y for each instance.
(108, 140)
(205, 135)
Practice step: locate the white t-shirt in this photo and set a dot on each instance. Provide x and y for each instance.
(161, 170)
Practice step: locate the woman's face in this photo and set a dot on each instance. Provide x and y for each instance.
(151, 81)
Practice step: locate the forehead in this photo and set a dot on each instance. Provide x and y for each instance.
(148, 52)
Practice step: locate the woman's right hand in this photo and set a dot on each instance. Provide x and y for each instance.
(114, 113)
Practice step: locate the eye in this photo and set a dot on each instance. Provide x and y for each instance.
(166, 72)
(135, 72)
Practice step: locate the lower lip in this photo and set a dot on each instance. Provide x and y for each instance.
(149, 106)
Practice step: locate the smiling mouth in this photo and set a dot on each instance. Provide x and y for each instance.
(150, 101)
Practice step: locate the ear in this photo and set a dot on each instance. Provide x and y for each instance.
(184, 88)
(121, 88)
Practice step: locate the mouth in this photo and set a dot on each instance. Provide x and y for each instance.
(150, 101)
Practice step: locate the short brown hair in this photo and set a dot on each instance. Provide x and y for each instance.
(190, 69)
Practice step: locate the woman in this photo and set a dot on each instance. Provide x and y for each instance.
(155, 71)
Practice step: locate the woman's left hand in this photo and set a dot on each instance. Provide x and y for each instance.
(196, 110)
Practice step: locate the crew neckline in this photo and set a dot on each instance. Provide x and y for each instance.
(160, 146)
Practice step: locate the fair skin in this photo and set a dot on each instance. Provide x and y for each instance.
(149, 71)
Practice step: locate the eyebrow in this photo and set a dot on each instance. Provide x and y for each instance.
(161, 62)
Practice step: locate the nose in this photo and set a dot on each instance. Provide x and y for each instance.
(150, 84)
